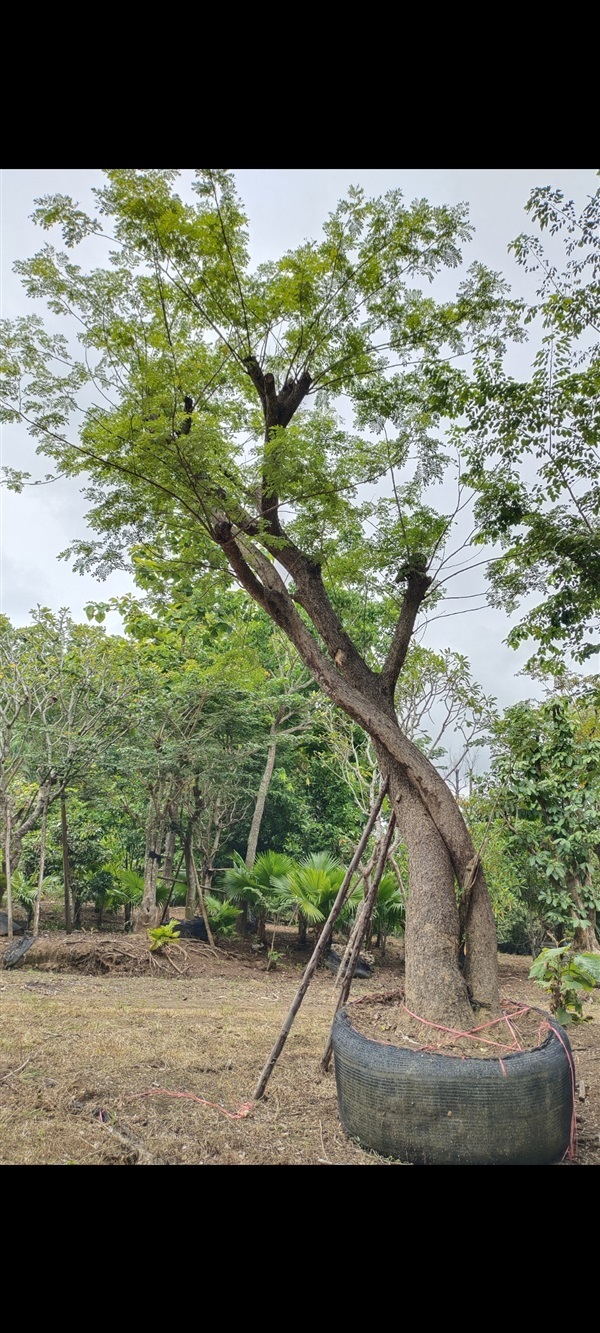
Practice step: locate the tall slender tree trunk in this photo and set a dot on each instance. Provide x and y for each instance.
(263, 792)
(66, 869)
(436, 988)
(169, 861)
(38, 896)
(146, 916)
(9, 910)
(200, 893)
(190, 897)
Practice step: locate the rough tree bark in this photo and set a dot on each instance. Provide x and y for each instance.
(585, 939)
(147, 914)
(190, 896)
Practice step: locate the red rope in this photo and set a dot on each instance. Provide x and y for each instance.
(455, 1032)
(543, 1027)
(244, 1110)
(573, 1139)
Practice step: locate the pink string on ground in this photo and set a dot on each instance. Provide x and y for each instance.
(245, 1109)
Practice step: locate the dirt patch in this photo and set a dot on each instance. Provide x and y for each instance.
(385, 1019)
(125, 1064)
(130, 955)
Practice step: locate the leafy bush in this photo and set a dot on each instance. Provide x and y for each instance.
(162, 935)
(566, 976)
(222, 916)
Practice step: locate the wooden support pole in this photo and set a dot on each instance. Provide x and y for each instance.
(349, 960)
(320, 947)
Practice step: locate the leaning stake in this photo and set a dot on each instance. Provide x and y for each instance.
(319, 949)
(348, 963)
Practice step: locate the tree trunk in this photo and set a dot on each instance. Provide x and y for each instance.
(9, 910)
(432, 923)
(242, 922)
(77, 905)
(585, 939)
(38, 896)
(65, 854)
(169, 861)
(261, 798)
(261, 926)
(147, 915)
(18, 833)
(174, 877)
(200, 892)
(190, 897)
(436, 989)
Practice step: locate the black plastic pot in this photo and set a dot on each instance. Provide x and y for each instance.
(444, 1110)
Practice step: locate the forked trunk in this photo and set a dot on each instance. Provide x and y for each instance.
(436, 988)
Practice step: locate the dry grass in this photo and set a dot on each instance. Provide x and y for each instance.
(77, 1050)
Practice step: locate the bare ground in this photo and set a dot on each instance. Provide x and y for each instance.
(108, 1058)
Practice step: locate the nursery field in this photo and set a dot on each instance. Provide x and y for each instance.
(108, 1059)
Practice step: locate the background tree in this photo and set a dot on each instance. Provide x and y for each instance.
(71, 694)
(534, 444)
(546, 776)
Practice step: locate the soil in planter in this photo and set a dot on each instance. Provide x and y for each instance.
(385, 1018)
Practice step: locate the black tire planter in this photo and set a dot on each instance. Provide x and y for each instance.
(442, 1110)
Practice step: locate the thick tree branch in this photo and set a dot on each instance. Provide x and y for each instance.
(417, 587)
(278, 410)
(254, 371)
(271, 404)
(372, 711)
(311, 594)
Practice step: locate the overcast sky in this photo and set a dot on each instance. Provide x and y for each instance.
(284, 208)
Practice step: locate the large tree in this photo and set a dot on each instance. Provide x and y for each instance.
(209, 440)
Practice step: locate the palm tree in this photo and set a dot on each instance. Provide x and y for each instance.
(259, 887)
(390, 910)
(309, 890)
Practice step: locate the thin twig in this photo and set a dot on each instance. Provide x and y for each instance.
(12, 1072)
